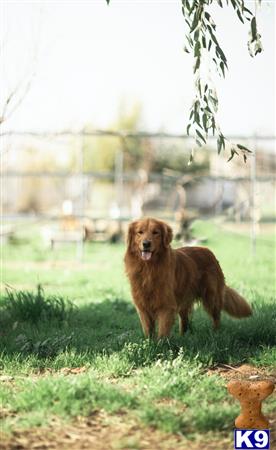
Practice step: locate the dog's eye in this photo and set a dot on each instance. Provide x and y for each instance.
(155, 232)
(140, 232)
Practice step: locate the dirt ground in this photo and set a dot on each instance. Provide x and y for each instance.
(102, 431)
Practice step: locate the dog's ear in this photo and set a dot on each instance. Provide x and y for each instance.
(130, 236)
(167, 235)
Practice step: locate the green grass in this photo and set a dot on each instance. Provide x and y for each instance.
(57, 313)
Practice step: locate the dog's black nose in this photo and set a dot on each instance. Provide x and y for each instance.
(146, 245)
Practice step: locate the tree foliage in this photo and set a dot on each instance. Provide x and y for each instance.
(203, 44)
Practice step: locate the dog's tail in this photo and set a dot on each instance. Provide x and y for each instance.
(235, 305)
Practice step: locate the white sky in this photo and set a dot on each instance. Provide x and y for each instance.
(90, 56)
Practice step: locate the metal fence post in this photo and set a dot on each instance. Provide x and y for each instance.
(80, 246)
(253, 197)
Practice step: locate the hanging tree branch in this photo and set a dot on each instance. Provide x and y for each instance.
(203, 44)
(15, 98)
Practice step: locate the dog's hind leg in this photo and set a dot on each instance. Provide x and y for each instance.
(147, 322)
(212, 296)
(212, 303)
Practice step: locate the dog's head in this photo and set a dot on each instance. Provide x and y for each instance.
(148, 237)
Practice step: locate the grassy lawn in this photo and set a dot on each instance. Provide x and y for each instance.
(71, 343)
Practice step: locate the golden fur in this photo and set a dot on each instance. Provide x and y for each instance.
(166, 282)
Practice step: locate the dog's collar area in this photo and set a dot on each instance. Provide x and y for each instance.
(146, 255)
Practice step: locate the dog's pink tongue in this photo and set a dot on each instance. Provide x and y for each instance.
(146, 256)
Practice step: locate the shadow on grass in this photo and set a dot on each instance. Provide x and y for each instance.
(49, 331)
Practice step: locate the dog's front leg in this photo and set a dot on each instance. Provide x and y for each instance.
(165, 319)
(147, 322)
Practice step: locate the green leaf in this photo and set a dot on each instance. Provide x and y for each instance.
(247, 11)
(242, 147)
(231, 157)
(199, 89)
(108, 1)
(194, 23)
(222, 68)
(219, 144)
(188, 22)
(197, 49)
(199, 143)
(190, 41)
(240, 16)
(197, 64)
(210, 20)
(254, 29)
(213, 125)
(205, 122)
(185, 4)
(233, 153)
(213, 100)
(209, 109)
(221, 54)
(197, 118)
(215, 61)
(188, 129)
(191, 159)
(222, 138)
(212, 35)
(201, 136)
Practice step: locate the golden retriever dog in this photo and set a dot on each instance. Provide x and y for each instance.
(166, 282)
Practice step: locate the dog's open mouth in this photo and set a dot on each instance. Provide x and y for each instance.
(146, 255)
